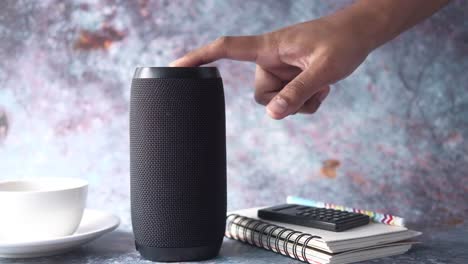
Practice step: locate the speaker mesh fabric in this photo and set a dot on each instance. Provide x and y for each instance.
(177, 162)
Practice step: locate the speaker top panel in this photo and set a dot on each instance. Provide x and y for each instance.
(176, 73)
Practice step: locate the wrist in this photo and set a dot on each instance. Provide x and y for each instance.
(367, 24)
(379, 21)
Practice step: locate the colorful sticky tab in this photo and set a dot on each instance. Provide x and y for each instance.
(374, 216)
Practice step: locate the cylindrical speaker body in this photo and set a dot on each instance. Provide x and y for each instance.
(177, 162)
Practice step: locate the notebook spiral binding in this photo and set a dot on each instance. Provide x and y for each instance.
(247, 229)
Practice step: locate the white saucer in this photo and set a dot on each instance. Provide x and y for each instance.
(93, 225)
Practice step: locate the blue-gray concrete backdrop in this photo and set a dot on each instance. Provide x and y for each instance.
(392, 137)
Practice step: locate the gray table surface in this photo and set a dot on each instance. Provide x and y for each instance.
(448, 245)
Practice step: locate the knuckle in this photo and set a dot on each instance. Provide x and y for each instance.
(292, 92)
(222, 41)
(306, 110)
(269, 42)
(329, 66)
(260, 99)
(221, 44)
(298, 85)
(314, 109)
(311, 106)
(291, 96)
(326, 59)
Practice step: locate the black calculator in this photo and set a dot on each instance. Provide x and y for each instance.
(322, 218)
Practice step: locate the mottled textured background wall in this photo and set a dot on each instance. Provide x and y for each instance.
(391, 137)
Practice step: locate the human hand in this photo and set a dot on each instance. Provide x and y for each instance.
(296, 65)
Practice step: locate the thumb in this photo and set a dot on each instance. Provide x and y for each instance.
(293, 96)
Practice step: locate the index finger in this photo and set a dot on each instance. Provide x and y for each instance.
(243, 48)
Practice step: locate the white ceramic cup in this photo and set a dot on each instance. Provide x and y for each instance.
(41, 208)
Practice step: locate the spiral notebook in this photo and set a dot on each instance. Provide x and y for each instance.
(316, 245)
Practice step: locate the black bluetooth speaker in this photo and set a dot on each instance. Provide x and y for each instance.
(177, 162)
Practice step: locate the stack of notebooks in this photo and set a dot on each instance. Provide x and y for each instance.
(312, 245)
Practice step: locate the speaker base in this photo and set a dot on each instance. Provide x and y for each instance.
(178, 254)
